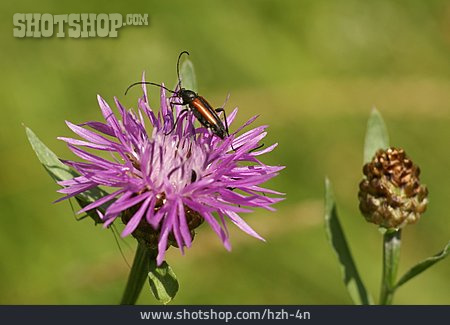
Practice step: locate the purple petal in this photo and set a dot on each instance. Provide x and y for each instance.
(144, 87)
(100, 214)
(157, 217)
(176, 227)
(257, 179)
(74, 181)
(266, 150)
(265, 190)
(79, 190)
(231, 116)
(110, 220)
(121, 206)
(238, 221)
(218, 230)
(82, 168)
(163, 99)
(162, 245)
(100, 127)
(124, 197)
(197, 207)
(99, 202)
(248, 140)
(222, 221)
(89, 135)
(250, 121)
(151, 209)
(217, 204)
(108, 114)
(184, 229)
(76, 142)
(122, 109)
(92, 158)
(143, 105)
(134, 221)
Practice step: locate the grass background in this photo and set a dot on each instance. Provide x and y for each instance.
(312, 69)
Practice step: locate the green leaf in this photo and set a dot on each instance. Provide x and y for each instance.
(377, 136)
(163, 281)
(336, 237)
(422, 266)
(59, 172)
(187, 74)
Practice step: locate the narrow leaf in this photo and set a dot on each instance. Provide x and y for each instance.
(163, 281)
(336, 237)
(377, 136)
(59, 172)
(422, 266)
(187, 74)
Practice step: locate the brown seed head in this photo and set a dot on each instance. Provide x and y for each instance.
(390, 195)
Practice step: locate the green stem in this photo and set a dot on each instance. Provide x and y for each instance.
(391, 255)
(138, 274)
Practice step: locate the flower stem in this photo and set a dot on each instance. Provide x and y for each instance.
(138, 274)
(391, 255)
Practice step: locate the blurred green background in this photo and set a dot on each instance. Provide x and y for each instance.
(312, 69)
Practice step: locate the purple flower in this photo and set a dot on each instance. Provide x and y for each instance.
(165, 183)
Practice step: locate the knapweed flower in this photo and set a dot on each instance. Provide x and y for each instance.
(391, 195)
(169, 178)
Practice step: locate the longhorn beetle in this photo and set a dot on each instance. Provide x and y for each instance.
(198, 105)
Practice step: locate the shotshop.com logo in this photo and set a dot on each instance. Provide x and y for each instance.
(73, 25)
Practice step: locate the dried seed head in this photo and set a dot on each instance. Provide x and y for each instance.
(390, 195)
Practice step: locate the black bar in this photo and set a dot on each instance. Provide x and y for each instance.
(125, 315)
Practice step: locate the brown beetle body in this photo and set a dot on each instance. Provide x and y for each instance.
(198, 105)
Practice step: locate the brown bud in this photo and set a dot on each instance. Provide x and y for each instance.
(390, 195)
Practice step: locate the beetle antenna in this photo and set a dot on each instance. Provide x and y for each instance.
(148, 83)
(178, 66)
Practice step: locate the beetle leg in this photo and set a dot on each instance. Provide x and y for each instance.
(254, 149)
(172, 104)
(218, 110)
(178, 118)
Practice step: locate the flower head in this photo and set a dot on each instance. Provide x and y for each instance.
(168, 181)
(391, 195)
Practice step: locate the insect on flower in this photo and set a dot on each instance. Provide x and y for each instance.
(199, 106)
(162, 184)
